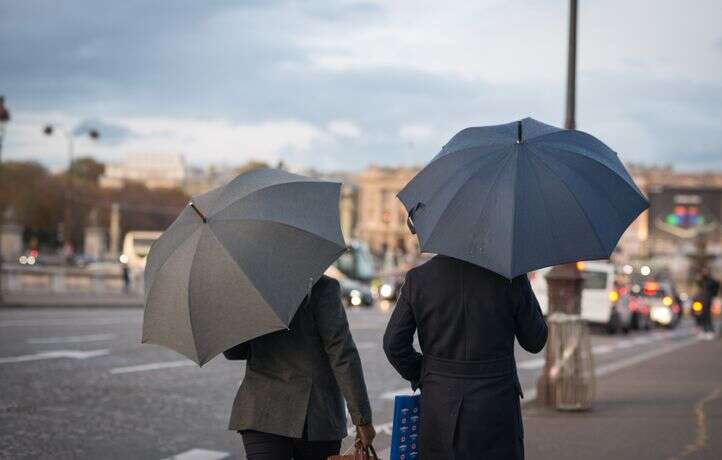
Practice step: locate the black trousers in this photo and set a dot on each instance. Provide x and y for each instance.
(706, 318)
(267, 446)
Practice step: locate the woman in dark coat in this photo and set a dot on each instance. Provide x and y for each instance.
(291, 401)
(467, 318)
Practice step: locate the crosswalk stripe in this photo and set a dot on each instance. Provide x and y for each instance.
(152, 366)
(55, 354)
(71, 339)
(199, 454)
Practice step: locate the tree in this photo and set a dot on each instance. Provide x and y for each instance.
(87, 169)
(251, 166)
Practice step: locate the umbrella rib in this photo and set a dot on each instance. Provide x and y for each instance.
(277, 222)
(496, 178)
(214, 211)
(170, 254)
(551, 228)
(237, 265)
(576, 200)
(631, 185)
(482, 213)
(451, 177)
(493, 145)
(612, 204)
(190, 296)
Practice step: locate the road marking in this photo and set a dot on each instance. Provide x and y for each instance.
(602, 349)
(700, 441)
(621, 364)
(152, 366)
(536, 363)
(367, 345)
(71, 339)
(73, 354)
(199, 454)
(405, 391)
(68, 322)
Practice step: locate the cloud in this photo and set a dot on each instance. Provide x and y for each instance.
(344, 128)
(413, 132)
(352, 82)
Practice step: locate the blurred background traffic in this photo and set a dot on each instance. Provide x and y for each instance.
(86, 231)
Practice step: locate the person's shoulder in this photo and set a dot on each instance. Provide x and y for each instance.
(326, 280)
(326, 283)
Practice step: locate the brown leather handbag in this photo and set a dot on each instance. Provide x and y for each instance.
(360, 453)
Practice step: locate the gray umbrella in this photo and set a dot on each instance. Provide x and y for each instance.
(239, 260)
(516, 197)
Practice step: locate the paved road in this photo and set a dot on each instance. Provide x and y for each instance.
(77, 383)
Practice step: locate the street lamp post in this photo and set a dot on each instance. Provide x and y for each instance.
(49, 130)
(567, 381)
(4, 120)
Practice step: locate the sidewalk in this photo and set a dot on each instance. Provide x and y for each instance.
(669, 407)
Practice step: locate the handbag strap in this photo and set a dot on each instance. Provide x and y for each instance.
(365, 453)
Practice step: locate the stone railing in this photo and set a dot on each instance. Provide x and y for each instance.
(18, 278)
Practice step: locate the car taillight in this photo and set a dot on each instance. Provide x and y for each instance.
(633, 305)
(697, 306)
(675, 309)
(644, 309)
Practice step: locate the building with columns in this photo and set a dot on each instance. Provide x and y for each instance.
(381, 218)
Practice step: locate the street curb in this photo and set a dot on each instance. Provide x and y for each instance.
(72, 304)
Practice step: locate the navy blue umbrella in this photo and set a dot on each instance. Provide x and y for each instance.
(517, 197)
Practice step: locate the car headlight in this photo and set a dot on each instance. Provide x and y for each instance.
(661, 315)
(386, 290)
(355, 300)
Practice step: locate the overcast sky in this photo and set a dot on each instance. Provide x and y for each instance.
(341, 84)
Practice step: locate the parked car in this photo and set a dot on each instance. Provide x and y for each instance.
(603, 302)
(355, 293)
(639, 306)
(664, 305)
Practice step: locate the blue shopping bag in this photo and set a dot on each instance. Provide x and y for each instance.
(406, 429)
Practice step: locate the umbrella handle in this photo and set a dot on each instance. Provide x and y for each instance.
(410, 218)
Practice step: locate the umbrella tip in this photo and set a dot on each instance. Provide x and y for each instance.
(518, 132)
(198, 211)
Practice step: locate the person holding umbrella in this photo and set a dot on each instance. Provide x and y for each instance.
(495, 203)
(290, 404)
(240, 271)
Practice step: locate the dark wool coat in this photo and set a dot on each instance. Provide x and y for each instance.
(299, 378)
(467, 318)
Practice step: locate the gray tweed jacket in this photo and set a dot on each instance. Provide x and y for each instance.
(296, 380)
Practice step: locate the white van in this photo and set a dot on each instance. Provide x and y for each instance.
(136, 246)
(602, 303)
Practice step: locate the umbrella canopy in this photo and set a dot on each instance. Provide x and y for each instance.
(517, 197)
(239, 260)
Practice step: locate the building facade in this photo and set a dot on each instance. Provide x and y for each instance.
(154, 170)
(381, 218)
